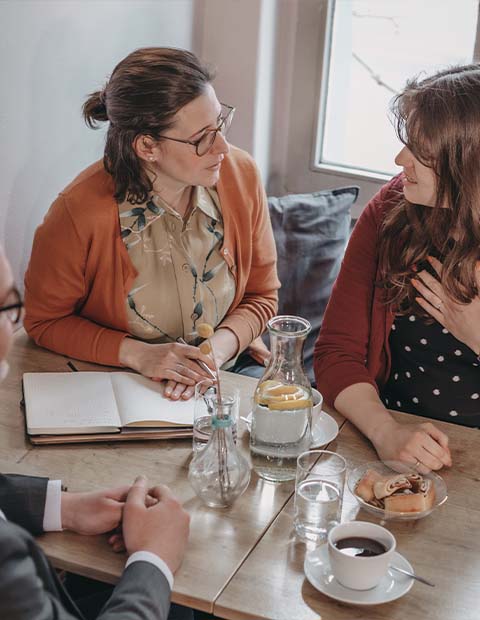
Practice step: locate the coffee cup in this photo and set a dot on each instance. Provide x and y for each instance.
(360, 553)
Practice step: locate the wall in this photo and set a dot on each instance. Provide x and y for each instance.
(52, 54)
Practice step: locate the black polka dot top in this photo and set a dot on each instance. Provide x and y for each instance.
(433, 374)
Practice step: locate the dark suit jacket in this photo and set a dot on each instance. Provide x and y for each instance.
(30, 588)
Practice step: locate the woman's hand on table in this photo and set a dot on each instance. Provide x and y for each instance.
(461, 320)
(225, 346)
(422, 445)
(172, 361)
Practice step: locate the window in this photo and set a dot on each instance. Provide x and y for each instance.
(371, 48)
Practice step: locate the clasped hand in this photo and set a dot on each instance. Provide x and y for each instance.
(176, 363)
(461, 320)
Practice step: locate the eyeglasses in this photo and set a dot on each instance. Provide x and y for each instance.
(13, 306)
(206, 140)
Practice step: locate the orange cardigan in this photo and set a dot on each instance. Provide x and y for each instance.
(80, 273)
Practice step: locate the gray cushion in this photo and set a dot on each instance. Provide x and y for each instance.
(311, 232)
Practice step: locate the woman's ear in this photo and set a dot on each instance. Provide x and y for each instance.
(145, 148)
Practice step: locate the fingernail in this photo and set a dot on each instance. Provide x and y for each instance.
(168, 391)
(141, 478)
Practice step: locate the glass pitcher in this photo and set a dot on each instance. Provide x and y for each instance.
(282, 407)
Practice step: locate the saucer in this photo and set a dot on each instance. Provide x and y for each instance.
(324, 430)
(392, 586)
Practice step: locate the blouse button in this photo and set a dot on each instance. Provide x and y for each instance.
(185, 267)
(225, 251)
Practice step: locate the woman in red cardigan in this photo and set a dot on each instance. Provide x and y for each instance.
(169, 231)
(401, 330)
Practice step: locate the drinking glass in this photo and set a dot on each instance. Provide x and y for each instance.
(319, 488)
(206, 404)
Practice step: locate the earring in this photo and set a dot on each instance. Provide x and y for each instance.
(151, 158)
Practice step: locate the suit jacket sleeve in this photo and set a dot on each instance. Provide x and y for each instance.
(143, 592)
(22, 500)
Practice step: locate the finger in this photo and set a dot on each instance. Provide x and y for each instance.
(432, 311)
(176, 377)
(432, 283)
(138, 492)
(427, 460)
(150, 501)
(442, 440)
(179, 390)
(436, 264)
(188, 392)
(192, 369)
(435, 297)
(169, 388)
(118, 493)
(194, 353)
(161, 492)
(114, 538)
(119, 547)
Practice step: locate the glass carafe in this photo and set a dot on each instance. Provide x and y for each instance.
(282, 407)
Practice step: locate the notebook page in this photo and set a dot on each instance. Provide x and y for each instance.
(69, 402)
(140, 402)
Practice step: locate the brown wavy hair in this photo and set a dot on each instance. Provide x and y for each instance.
(438, 119)
(142, 96)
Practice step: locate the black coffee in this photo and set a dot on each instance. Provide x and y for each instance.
(359, 546)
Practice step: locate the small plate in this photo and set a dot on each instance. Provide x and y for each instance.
(324, 430)
(392, 586)
(394, 467)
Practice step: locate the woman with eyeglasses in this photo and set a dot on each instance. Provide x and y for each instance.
(169, 231)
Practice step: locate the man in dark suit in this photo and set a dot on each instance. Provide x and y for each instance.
(154, 528)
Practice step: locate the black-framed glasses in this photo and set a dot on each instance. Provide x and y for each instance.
(206, 140)
(13, 306)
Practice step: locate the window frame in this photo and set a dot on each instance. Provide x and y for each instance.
(311, 65)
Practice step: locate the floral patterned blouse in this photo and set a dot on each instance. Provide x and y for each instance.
(182, 277)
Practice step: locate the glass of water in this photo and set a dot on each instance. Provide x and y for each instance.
(319, 488)
(207, 403)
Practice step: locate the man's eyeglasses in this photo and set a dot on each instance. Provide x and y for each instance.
(206, 140)
(13, 306)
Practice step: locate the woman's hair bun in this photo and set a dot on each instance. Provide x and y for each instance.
(95, 109)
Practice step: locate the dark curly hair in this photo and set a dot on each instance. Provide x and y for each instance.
(142, 96)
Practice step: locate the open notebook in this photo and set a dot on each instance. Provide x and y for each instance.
(81, 405)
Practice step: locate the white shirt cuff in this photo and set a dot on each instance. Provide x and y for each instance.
(52, 517)
(147, 556)
(2, 516)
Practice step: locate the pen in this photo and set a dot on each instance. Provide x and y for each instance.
(72, 367)
(199, 362)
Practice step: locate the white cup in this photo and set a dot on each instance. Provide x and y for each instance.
(357, 572)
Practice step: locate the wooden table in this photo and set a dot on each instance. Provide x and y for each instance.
(444, 547)
(244, 563)
(220, 540)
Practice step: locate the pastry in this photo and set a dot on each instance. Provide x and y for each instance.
(389, 484)
(364, 488)
(396, 493)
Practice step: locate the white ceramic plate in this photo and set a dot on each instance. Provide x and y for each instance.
(392, 467)
(393, 585)
(324, 430)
